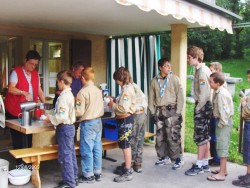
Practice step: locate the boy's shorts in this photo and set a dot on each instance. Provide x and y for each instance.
(125, 127)
(223, 139)
(201, 124)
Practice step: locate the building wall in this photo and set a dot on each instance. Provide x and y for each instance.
(98, 56)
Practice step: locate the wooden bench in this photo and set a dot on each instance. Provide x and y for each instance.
(38, 154)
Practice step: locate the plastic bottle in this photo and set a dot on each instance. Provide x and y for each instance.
(37, 113)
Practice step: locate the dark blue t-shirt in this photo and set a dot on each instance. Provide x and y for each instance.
(76, 86)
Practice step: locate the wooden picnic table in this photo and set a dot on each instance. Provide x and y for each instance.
(36, 127)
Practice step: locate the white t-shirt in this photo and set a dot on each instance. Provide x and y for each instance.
(13, 78)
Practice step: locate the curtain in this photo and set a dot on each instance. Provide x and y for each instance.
(140, 54)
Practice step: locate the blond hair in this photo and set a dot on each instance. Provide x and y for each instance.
(88, 73)
(195, 51)
(65, 76)
(216, 65)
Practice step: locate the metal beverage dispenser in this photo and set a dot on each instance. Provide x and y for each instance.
(26, 107)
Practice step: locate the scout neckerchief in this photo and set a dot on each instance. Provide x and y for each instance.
(162, 88)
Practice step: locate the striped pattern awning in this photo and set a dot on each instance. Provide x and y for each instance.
(182, 9)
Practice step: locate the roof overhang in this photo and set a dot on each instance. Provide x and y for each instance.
(110, 18)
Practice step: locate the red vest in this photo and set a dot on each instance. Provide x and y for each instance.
(12, 102)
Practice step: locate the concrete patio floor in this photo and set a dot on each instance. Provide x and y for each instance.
(151, 177)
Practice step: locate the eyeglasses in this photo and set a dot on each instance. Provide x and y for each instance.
(166, 65)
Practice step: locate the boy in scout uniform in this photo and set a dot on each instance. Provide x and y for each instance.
(165, 103)
(215, 160)
(63, 118)
(89, 109)
(244, 180)
(223, 111)
(124, 108)
(140, 120)
(202, 111)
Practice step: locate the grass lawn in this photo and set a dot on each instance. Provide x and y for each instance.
(236, 68)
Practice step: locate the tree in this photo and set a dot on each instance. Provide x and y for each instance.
(216, 44)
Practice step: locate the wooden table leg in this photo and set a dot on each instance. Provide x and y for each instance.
(35, 173)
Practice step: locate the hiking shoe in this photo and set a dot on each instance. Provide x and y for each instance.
(241, 183)
(241, 177)
(97, 177)
(84, 179)
(119, 169)
(178, 164)
(125, 176)
(194, 170)
(205, 168)
(163, 161)
(137, 168)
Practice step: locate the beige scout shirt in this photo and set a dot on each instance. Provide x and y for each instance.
(64, 109)
(141, 99)
(246, 108)
(89, 103)
(126, 103)
(202, 90)
(223, 106)
(173, 93)
(213, 92)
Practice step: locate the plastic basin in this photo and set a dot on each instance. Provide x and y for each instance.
(19, 176)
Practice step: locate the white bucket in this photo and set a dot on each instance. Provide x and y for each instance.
(4, 170)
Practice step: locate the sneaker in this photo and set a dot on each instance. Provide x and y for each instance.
(97, 177)
(125, 176)
(84, 179)
(63, 185)
(62, 182)
(163, 161)
(77, 181)
(194, 170)
(178, 164)
(206, 168)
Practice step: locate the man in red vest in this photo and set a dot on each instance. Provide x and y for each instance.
(24, 85)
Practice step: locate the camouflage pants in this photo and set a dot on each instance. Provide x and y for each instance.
(201, 124)
(168, 133)
(138, 138)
